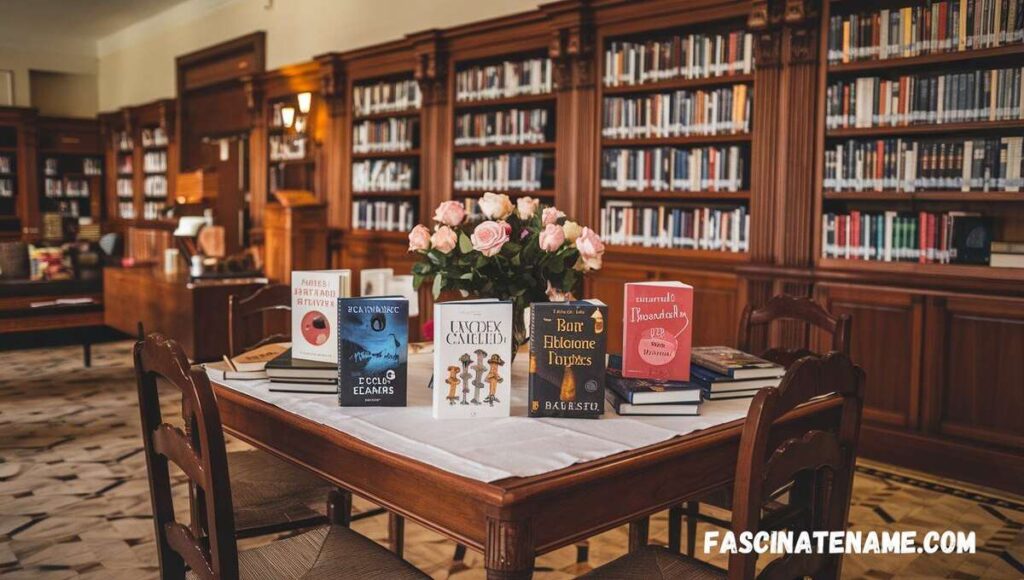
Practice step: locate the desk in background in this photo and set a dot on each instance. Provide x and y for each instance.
(193, 313)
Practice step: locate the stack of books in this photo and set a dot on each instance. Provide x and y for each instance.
(248, 366)
(294, 375)
(649, 396)
(727, 373)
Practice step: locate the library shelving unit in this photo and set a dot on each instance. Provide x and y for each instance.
(941, 54)
(486, 105)
(694, 110)
(70, 173)
(17, 172)
(121, 165)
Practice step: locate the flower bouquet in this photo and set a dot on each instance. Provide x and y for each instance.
(522, 252)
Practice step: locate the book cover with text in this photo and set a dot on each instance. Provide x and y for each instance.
(472, 359)
(657, 331)
(315, 296)
(373, 351)
(567, 356)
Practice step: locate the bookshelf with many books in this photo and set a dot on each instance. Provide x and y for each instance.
(923, 137)
(16, 173)
(70, 174)
(676, 107)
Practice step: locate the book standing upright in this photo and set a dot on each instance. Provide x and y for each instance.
(315, 296)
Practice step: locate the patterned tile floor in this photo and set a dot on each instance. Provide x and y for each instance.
(74, 500)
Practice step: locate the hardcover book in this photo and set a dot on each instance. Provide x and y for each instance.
(735, 364)
(623, 407)
(657, 331)
(373, 352)
(472, 359)
(315, 296)
(646, 391)
(567, 349)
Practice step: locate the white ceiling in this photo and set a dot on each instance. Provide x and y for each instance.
(70, 25)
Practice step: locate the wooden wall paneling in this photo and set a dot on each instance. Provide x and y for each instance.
(607, 285)
(336, 143)
(887, 341)
(24, 220)
(974, 370)
(436, 120)
(716, 303)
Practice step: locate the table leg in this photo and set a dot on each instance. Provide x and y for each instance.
(509, 552)
(396, 534)
(638, 531)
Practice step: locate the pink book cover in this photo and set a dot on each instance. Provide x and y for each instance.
(657, 331)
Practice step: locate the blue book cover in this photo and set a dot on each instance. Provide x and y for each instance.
(373, 351)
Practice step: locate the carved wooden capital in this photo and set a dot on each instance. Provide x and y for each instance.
(332, 86)
(431, 74)
(803, 45)
(510, 550)
(253, 98)
(570, 50)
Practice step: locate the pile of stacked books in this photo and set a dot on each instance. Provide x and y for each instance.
(630, 396)
(727, 373)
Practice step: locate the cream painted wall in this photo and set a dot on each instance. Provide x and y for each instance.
(21, 61)
(63, 94)
(136, 65)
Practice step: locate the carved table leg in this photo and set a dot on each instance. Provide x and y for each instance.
(638, 530)
(396, 534)
(509, 552)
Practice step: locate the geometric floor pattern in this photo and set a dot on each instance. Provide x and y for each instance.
(74, 501)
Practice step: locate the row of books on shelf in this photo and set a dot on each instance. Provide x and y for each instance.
(626, 223)
(507, 79)
(126, 210)
(6, 165)
(721, 168)
(6, 187)
(125, 187)
(90, 166)
(154, 186)
(67, 188)
(505, 127)
(688, 56)
(154, 137)
(384, 135)
(993, 164)
(386, 97)
(928, 28)
(928, 238)
(980, 95)
(123, 141)
(154, 161)
(287, 147)
(510, 171)
(724, 110)
(382, 175)
(383, 215)
(153, 210)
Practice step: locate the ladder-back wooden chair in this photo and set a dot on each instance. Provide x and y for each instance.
(816, 464)
(261, 318)
(206, 548)
(780, 308)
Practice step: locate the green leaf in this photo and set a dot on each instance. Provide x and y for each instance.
(465, 244)
(438, 285)
(466, 276)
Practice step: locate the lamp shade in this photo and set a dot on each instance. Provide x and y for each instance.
(287, 116)
(305, 99)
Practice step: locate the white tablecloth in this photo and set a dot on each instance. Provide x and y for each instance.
(489, 449)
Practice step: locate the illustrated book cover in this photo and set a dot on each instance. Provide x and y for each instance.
(373, 351)
(657, 331)
(735, 364)
(472, 359)
(647, 391)
(315, 296)
(567, 352)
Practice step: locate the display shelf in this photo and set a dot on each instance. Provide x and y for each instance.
(408, 154)
(677, 84)
(403, 114)
(917, 268)
(928, 129)
(681, 196)
(1011, 51)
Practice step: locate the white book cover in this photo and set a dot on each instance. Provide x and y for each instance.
(472, 359)
(315, 296)
(374, 281)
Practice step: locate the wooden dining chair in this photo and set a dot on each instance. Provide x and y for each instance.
(780, 308)
(206, 548)
(261, 318)
(815, 463)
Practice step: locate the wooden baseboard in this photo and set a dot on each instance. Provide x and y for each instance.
(943, 457)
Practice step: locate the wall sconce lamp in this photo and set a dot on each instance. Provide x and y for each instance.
(287, 116)
(305, 99)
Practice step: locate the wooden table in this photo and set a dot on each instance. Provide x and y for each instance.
(513, 520)
(193, 313)
(32, 306)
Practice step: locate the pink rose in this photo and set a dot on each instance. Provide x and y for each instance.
(551, 238)
(450, 213)
(551, 215)
(444, 239)
(591, 249)
(419, 239)
(527, 206)
(556, 295)
(489, 237)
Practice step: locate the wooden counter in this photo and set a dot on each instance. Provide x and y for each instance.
(193, 313)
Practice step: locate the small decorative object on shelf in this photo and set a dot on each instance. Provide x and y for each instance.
(373, 351)
(567, 355)
(522, 252)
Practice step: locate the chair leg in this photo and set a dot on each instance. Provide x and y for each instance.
(638, 530)
(692, 512)
(339, 507)
(460, 553)
(87, 354)
(675, 529)
(396, 534)
(582, 552)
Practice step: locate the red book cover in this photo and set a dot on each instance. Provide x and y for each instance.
(855, 234)
(922, 237)
(657, 331)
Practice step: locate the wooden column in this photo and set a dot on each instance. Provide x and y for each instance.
(431, 72)
(576, 131)
(257, 155)
(336, 142)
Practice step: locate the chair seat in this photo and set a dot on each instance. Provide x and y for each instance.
(328, 553)
(272, 495)
(655, 562)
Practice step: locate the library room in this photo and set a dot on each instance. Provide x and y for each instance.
(512, 289)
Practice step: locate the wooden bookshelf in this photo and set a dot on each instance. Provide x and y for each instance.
(69, 173)
(1000, 127)
(17, 179)
(966, 57)
(711, 196)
